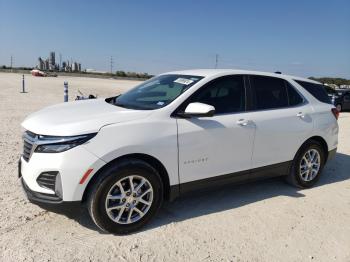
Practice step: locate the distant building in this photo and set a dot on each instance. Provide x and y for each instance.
(52, 59)
(40, 64)
(49, 64)
(90, 70)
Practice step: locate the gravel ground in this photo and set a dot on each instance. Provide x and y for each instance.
(263, 221)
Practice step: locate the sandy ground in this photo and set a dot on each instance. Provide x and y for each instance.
(263, 221)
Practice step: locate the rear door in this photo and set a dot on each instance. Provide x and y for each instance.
(282, 118)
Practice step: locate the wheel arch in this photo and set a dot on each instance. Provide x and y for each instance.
(320, 140)
(154, 162)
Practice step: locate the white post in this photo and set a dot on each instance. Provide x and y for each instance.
(23, 85)
(65, 96)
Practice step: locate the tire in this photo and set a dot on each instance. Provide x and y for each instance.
(297, 176)
(105, 185)
(339, 107)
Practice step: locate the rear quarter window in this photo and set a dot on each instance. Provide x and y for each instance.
(316, 90)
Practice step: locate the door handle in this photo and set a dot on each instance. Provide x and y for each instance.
(301, 115)
(242, 122)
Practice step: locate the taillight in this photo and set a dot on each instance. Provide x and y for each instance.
(335, 113)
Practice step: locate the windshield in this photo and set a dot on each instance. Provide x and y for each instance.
(156, 92)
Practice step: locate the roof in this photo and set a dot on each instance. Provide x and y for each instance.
(220, 72)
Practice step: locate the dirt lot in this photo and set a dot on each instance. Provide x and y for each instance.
(264, 221)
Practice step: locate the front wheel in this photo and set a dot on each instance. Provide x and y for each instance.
(307, 165)
(126, 196)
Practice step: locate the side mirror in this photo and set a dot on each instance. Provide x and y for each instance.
(199, 110)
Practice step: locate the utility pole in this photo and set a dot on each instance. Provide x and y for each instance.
(60, 60)
(111, 64)
(11, 61)
(216, 60)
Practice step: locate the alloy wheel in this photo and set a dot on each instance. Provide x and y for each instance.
(310, 165)
(129, 199)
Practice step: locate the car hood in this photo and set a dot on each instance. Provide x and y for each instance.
(79, 117)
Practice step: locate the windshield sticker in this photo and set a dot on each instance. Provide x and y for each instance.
(160, 103)
(183, 81)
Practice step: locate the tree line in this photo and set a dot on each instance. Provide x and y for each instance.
(331, 80)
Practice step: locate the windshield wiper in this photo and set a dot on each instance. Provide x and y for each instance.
(128, 106)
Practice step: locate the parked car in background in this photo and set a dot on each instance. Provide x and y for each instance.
(36, 72)
(180, 131)
(332, 93)
(342, 100)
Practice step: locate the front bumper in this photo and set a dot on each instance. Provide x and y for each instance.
(50, 202)
(37, 197)
(69, 166)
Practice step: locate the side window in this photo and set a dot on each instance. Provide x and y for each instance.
(269, 92)
(293, 96)
(347, 97)
(226, 94)
(317, 90)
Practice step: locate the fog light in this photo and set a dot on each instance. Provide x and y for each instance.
(58, 186)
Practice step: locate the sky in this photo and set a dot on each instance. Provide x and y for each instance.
(304, 38)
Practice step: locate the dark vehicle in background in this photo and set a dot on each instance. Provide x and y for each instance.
(332, 93)
(342, 100)
(339, 97)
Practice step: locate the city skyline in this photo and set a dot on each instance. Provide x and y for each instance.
(306, 38)
(50, 64)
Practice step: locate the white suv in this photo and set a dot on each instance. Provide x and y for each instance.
(122, 156)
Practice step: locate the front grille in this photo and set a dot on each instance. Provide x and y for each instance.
(28, 139)
(47, 180)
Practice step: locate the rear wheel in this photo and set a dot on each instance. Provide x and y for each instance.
(126, 197)
(307, 165)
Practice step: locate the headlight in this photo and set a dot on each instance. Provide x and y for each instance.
(57, 144)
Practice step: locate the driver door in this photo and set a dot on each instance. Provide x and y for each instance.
(219, 145)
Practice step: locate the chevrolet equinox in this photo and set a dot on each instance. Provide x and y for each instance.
(123, 156)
